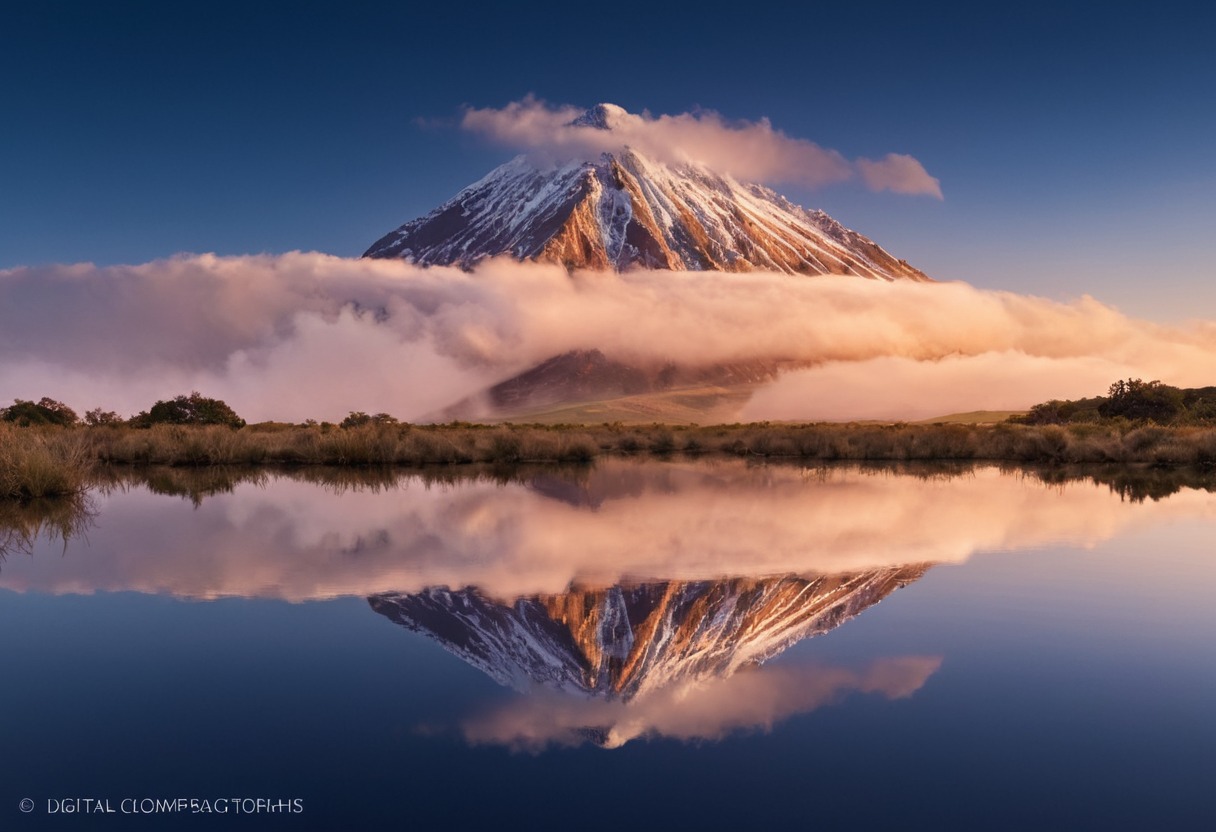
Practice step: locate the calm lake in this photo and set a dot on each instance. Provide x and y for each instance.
(634, 645)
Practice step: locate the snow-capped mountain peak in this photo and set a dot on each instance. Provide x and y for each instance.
(602, 116)
(625, 210)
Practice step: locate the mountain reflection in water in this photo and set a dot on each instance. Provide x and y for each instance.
(629, 598)
(732, 628)
(623, 641)
(655, 657)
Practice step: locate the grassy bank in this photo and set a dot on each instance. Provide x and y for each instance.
(37, 462)
(43, 463)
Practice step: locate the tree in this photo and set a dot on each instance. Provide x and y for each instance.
(357, 419)
(97, 416)
(1054, 412)
(194, 409)
(45, 411)
(1136, 399)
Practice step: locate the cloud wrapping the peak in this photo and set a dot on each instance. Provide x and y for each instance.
(751, 151)
(306, 335)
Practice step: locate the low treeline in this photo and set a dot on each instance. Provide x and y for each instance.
(37, 462)
(1130, 401)
(47, 450)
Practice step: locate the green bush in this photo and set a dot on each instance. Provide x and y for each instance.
(43, 412)
(357, 419)
(1136, 399)
(97, 416)
(194, 409)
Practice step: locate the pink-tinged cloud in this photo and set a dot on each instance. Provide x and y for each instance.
(304, 335)
(754, 699)
(899, 173)
(751, 151)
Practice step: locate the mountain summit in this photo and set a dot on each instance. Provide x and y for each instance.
(625, 210)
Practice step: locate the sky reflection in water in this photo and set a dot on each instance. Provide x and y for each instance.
(629, 601)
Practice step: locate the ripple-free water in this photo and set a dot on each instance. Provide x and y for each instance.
(635, 645)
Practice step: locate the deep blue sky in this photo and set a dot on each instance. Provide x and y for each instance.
(1074, 143)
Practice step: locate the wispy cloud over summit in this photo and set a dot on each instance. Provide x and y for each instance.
(752, 151)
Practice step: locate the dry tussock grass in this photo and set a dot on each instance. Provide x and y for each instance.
(36, 462)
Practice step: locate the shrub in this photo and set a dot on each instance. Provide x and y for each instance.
(43, 412)
(663, 442)
(194, 409)
(357, 419)
(97, 416)
(1136, 399)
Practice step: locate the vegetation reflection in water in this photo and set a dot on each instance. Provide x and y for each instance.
(628, 598)
(1135, 482)
(24, 521)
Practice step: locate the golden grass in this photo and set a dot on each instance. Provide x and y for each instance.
(43, 462)
(36, 462)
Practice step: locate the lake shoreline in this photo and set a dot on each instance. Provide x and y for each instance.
(44, 462)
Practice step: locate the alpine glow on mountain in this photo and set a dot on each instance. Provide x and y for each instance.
(604, 203)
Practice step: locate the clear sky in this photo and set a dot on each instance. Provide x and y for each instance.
(1073, 141)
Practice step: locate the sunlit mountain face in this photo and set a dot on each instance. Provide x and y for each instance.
(625, 209)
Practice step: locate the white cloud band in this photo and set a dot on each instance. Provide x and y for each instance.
(308, 335)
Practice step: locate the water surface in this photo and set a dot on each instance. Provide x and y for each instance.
(657, 644)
